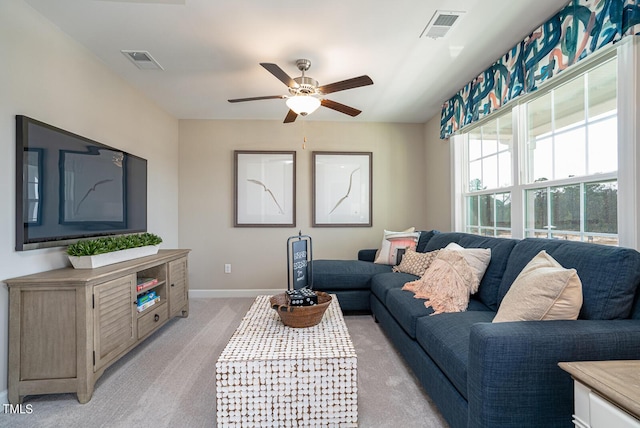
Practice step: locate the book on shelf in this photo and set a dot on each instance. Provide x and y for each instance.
(148, 304)
(143, 298)
(143, 283)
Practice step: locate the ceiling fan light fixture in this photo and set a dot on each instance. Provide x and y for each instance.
(303, 104)
(305, 94)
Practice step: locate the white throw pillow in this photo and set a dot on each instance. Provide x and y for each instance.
(394, 241)
(478, 258)
(544, 290)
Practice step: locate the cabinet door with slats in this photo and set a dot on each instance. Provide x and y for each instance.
(113, 319)
(178, 288)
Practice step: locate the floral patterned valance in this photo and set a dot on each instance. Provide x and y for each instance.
(579, 29)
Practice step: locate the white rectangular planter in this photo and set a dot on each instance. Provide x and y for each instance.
(91, 262)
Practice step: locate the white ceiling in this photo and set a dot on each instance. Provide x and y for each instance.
(211, 50)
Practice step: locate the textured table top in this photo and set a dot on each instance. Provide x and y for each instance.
(617, 381)
(262, 336)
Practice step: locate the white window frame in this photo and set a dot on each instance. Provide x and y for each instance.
(627, 54)
(628, 138)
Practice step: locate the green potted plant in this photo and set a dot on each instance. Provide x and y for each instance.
(93, 253)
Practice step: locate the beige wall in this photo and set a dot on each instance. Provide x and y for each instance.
(48, 76)
(258, 255)
(438, 177)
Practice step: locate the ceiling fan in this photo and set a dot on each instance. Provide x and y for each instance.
(306, 96)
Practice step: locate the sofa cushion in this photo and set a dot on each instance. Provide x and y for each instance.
(609, 275)
(406, 309)
(345, 274)
(544, 290)
(477, 305)
(367, 254)
(425, 237)
(500, 250)
(382, 283)
(445, 338)
(635, 311)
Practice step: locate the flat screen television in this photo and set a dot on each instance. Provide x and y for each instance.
(69, 187)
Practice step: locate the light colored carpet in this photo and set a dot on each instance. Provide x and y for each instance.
(169, 380)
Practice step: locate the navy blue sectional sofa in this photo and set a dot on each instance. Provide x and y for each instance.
(488, 375)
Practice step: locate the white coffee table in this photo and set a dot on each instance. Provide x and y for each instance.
(271, 375)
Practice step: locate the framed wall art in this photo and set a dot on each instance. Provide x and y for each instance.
(342, 189)
(264, 188)
(93, 187)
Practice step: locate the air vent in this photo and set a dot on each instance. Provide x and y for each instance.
(440, 24)
(143, 60)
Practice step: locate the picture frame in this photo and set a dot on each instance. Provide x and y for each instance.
(93, 190)
(264, 188)
(342, 185)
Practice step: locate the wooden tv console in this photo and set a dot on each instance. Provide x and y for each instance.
(66, 326)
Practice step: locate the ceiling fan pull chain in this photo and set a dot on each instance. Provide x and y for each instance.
(304, 135)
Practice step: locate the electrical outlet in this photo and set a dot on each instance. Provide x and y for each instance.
(227, 268)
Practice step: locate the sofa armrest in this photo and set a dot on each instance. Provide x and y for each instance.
(367, 255)
(513, 378)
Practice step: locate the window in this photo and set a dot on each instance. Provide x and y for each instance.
(489, 149)
(580, 212)
(489, 169)
(489, 214)
(572, 137)
(557, 177)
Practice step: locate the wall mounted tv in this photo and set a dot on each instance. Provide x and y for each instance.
(69, 187)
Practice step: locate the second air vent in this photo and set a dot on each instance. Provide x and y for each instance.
(440, 23)
(143, 60)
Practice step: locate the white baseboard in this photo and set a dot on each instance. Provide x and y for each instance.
(205, 294)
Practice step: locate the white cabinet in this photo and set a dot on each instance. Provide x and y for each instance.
(606, 415)
(606, 393)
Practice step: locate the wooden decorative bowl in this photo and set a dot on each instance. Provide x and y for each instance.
(301, 316)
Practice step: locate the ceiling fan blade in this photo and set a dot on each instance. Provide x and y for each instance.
(291, 117)
(268, 97)
(340, 107)
(343, 85)
(280, 74)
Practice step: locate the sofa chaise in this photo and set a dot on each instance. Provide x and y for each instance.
(485, 374)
